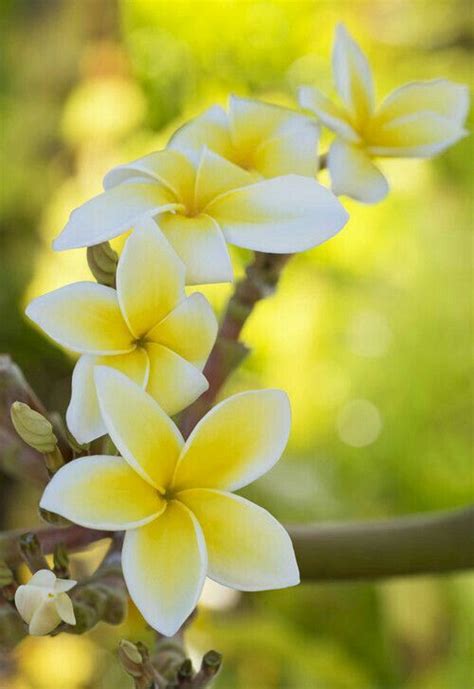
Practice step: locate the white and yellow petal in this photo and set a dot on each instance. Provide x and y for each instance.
(201, 246)
(352, 76)
(354, 174)
(210, 129)
(84, 317)
(239, 440)
(170, 169)
(144, 435)
(333, 117)
(114, 212)
(83, 416)
(419, 135)
(189, 330)
(215, 176)
(440, 96)
(101, 492)
(281, 215)
(150, 279)
(173, 382)
(164, 566)
(253, 121)
(247, 548)
(293, 149)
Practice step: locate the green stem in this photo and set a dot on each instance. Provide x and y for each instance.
(420, 544)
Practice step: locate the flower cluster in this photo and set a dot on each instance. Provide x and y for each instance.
(244, 176)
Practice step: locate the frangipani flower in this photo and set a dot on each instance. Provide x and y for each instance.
(200, 207)
(172, 497)
(147, 328)
(417, 120)
(265, 139)
(43, 602)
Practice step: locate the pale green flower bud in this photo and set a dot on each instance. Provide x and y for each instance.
(33, 428)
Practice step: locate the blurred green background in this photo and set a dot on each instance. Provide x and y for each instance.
(370, 334)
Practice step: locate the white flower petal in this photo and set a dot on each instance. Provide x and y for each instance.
(113, 212)
(420, 135)
(173, 382)
(150, 279)
(248, 549)
(281, 215)
(45, 619)
(200, 244)
(189, 330)
(215, 176)
(239, 440)
(164, 566)
(28, 599)
(333, 117)
(253, 121)
(354, 174)
(102, 492)
(144, 435)
(84, 317)
(210, 129)
(352, 75)
(293, 149)
(44, 578)
(443, 97)
(64, 608)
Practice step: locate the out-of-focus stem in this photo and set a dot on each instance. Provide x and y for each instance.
(260, 281)
(420, 544)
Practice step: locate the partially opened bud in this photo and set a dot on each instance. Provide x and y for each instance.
(33, 428)
(43, 602)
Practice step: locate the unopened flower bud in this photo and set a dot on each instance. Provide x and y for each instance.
(33, 428)
(102, 260)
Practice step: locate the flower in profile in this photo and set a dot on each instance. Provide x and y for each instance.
(43, 602)
(417, 120)
(174, 499)
(147, 328)
(201, 206)
(265, 139)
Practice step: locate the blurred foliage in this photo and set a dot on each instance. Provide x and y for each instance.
(370, 334)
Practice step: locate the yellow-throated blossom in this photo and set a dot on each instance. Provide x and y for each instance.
(173, 498)
(201, 205)
(43, 602)
(147, 328)
(265, 139)
(417, 120)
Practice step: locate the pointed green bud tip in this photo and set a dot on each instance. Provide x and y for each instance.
(102, 260)
(33, 428)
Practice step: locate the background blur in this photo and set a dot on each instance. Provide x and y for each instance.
(370, 334)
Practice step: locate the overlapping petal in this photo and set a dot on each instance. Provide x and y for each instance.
(102, 492)
(440, 96)
(201, 246)
(150, 279)
(84, 317)
(354, 174)
(248, 549)
(281, 215)
(236, 442)
(164, 566)
(210, 129)
(171, 169)
(330, 114)
(144, 435)
(253, 121)
(44, 620)
(420, 135)
(173, 381)
(113, 212)
(189, 330)
(353, 76)
(83, 415)
(64, 608)
(215, 176)
(292, 150)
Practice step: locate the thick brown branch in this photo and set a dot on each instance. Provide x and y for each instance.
(419, 544)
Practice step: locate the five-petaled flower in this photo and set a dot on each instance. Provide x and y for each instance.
(172, 497)
(147, 328)
(417, 120)
(43, 602)
(201, 205)
(265, 139)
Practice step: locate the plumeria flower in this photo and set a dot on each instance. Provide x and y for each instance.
(147, 328)
(417, 120)
(265, 139)
(200, 207)
(174, 499)
(43, 602)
